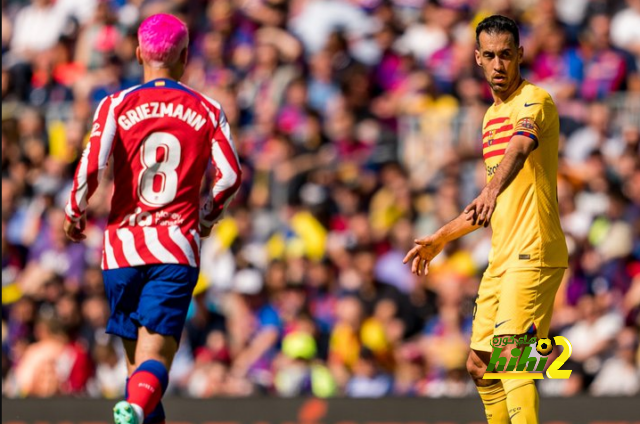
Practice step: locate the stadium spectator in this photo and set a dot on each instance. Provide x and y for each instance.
(555, 67)
(625, 29)
(619, 375)
(605, 70)
(368, 380)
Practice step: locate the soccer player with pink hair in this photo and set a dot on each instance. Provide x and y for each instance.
(160, 136)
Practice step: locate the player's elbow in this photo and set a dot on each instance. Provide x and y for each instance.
(234, 180)
(238, 181)
(230, 180)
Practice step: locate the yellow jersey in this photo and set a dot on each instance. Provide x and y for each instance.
(526, 221)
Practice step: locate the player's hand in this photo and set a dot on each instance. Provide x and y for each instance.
(205, 231)
(422, 254)
(481, 209)
(74, 229)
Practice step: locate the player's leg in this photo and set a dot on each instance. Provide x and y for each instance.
(130, 355)
(525, 308)
(491, 391)
(148, 379)
(122, 288)
(162, 310)
(157, 416)
(522, 396)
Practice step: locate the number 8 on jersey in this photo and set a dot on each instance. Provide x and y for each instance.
(158, 181)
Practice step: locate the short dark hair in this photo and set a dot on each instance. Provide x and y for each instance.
(497, 24)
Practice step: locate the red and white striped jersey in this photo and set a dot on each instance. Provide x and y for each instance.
(160, 136)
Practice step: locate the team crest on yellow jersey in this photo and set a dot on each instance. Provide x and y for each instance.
(491, 134)
(526, 124)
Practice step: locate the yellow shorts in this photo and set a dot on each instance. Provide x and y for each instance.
(520, 301)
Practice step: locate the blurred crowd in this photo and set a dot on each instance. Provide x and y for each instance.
(358, 127)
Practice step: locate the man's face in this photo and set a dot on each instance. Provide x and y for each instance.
(500, 59)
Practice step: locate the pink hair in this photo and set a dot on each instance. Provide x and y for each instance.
(162, 37)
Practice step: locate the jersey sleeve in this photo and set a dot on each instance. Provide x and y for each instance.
(531, 117)
(228, 173)
(94, 159)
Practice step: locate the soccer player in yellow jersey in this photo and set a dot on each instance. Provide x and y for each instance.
(528, 253)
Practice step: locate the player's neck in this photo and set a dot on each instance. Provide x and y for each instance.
(151, 74)
(499, 98)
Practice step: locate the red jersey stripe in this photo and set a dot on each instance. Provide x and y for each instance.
(183, 243)
(497, 141)
(231, 163)
(227, 179)
(108, 257)
(194, 242)
(496, 121)
(116, 245)
(143, 249)
(498, 130)
(83, 185)
(494, 153)
(168, 243)
(151, 238)
(129, 247)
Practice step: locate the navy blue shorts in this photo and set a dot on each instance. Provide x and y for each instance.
(153, 296)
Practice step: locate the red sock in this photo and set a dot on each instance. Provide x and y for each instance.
(145, 390)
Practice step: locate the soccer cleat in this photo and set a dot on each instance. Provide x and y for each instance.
(123, 413)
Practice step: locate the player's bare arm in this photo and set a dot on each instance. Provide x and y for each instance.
(430, 246)
(515, 156)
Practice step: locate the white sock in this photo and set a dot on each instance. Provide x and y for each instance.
(139, 412)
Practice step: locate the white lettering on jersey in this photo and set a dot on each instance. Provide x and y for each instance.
(178, 111)
(129, 118)
(168, 220)
(166, 109)
(138, 217)
(95, 131)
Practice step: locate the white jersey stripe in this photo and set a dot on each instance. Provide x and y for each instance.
(83, 187)
(155, 246)
(106, 140)
(212, 102)
(229, 176)
(82, 190)
(196, 238)
(228, 179)
(178, 238)
(216, 106)
(129, 247)
(110, 258)
(96, 114)
(213, 119)
(226, 130)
